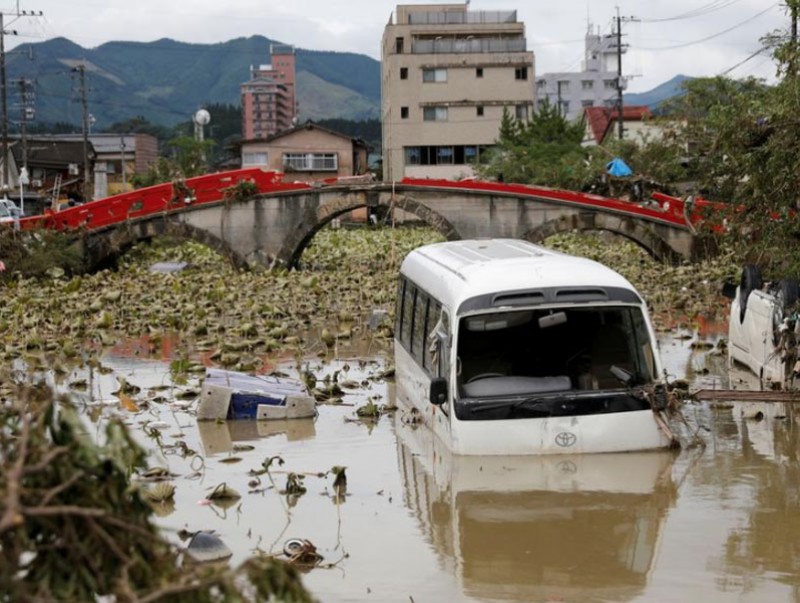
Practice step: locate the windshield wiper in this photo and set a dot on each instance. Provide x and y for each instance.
(515, 404)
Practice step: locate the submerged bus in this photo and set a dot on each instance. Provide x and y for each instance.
(503, 347)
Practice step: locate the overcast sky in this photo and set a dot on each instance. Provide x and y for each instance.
(692, 37)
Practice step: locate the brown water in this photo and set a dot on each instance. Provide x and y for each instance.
(718, 523)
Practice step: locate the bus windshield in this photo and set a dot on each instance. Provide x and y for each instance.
(548, 358)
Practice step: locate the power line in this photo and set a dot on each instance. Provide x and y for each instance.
(701, 11)
(716, 35)
(740, 63)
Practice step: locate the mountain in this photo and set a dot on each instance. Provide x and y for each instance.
(167, 81)
(653, 98)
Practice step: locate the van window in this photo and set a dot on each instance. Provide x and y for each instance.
(407, 319)
(418, 334)
(434, 311)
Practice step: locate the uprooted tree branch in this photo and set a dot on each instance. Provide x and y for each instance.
(72, 527)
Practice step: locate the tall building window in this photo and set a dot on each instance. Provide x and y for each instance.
(521, 73)
(587, 84)
(434, 113)
(398, 45)
(563, 85)
(403, 112)
(479, 72)
(434, 75)
(610, 84)
(403, 73)
(521, 112)
(479, 110)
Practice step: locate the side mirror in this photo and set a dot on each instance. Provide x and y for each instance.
(729, 290)
(438, 395)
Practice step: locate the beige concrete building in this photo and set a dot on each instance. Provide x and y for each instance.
(447, 73)
(307, 152)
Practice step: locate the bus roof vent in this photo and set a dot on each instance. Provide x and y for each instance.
(519, 298)
(581, 295)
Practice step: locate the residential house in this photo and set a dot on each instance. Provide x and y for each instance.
(307, 152)
(118, 157)
(55, 169)
(602, 123)
(447, 74)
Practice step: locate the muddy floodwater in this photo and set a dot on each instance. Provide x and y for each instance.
(712, 523)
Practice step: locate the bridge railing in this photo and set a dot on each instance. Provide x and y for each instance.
(161, 198)
(660, 207)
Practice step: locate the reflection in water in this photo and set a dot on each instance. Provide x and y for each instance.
(219, 437)
(578, 528)
(767, 543)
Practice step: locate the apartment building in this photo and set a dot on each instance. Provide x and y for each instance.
(269, 97)
(594, 86)
(447, 74)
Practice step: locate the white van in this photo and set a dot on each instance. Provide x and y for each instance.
(503, 347)
(763, 329)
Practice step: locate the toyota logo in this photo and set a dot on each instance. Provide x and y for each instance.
(567, 467)
(565, 439)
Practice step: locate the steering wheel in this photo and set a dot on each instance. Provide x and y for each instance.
(484, 376)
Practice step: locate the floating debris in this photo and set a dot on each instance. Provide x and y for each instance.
(206, 546)
(301, 552)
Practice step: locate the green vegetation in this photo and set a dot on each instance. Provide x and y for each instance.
(544, 150)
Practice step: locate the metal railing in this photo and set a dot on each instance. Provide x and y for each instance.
(460, 46)
(461, 18)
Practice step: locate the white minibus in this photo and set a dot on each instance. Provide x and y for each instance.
(503, 347)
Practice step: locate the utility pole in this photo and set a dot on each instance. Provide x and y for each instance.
(620, 107)
(81, 70)
(16, 14)
(123, 167)
(26, 112)
(793, 59)
(620, 79)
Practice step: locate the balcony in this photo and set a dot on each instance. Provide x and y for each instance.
(467, 45)
(462, 18)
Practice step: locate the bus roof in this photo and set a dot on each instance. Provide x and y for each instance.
(458, 270)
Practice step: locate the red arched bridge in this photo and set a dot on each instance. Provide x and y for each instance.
(253, 215)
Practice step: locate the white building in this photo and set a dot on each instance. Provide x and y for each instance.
(594, 86)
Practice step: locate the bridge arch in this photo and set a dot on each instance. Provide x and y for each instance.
(104, 246)
(630, 228)
(341, 203)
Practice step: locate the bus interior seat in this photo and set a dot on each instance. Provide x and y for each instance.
(610, 347)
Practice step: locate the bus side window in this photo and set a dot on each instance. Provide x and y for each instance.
(431, 342)
(398, 311)
(418, 335)
(408, 315)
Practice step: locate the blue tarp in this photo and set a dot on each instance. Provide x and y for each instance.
(617, 167)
